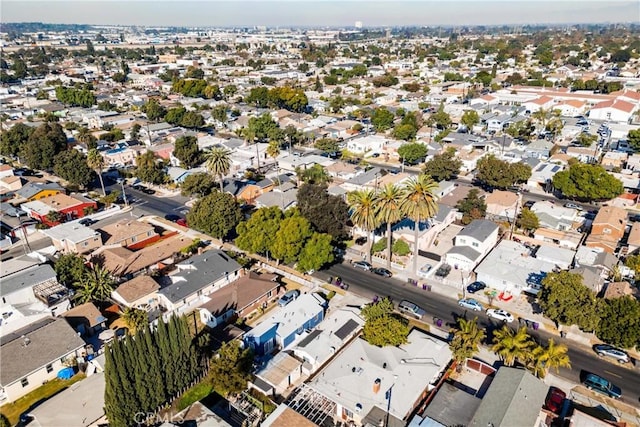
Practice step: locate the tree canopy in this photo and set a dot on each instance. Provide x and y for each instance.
(497, 173)
(257, 234)
(150, 169)
(71, 165)
(14, 138)
(620, 321)
(69, 269)
(186, 150)
(382, 119)
(443, 166)
(382, 326)
(231, 368)
(472, 206)
(198, 184)
(566, 300)
(326, 213)
(587, 182)
(412, 153)
(216, 214)
(44, 143)
(291, 238)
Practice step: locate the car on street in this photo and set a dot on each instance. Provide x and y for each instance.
(606, 350)
(573, 206)
(172, 217)
(471, 304)
(288, 297)
(475, 287)
(147, 190)
(500, 314)
(411, 309)
(87, 222)
(555, 399)
(363, 265)
(529, 203)
(602, 385)
(182, 222)
(382, 272)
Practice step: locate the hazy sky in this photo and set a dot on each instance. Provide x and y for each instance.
(318, 12)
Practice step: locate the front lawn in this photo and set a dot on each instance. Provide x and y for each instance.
(13, 410)
(194, 394)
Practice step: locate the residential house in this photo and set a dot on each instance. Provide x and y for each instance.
(34, 354)
(514, 397)
(583, 154)
(73, 238)
(85, 319)
(129, 233)
(367, 145)
(277, 375)
(556, 217)
(242, 190)
(284, 196)
(178, 175)
(607, 229)
(196, 278)
(287, 325)
(38, 190)
(633, 162)
(366, 179)
(451, 406)
(562, 258)
(239, 299)
(538, 149)
(511, 268)
(571, 107)
(614, 160)
(542, 103)
(138, 293)
(343, 170)
(472, 244)
(69, 207)
(502, 205)
(429, 231)
(542, 175)
(364, 383)
(633, 240)
(567, 239)
(616, 110)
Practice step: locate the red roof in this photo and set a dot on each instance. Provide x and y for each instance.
(615, 104)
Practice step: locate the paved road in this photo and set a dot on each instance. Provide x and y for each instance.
(436, 305)
(151, 204)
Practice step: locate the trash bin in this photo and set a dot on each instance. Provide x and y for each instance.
(439, 322)
(424, 286)
(535, 326)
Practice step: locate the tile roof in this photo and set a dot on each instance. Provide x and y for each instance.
(137, 288)
(123, 230)
(241, 293)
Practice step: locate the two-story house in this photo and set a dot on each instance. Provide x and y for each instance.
(607, 229)
(129, 233)
(73, 238)
(472, 244)
(38, 190)
(67, 207)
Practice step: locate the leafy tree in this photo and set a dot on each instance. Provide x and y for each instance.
(192, 120)
(470, 118)
(154, 110)
(620, 321)
(633, 262)
(230, 369)
(528, 220)
(257, 234)
(382, 326)
(419, 204)
(71, 165)
(498, 173)
(194, 73)
(511, 346)
(316, 174)
(69, 269)
(362, 204)
(216, 214)
(95, 284)
(566, 300)
(149, 169)
(218, 163)
(13, 139)
(633, 138)
(587, 182)
(198, 184)
(401, 248)
(291, 238)
(326, 213)
(75, 97)
(385, 80)
(412, 153)
(586, 139)
(135, 319)
(443, 166)
(382, 119)
(466, 339)
(264, 128)
(440, 119)
(472, 206)
(44, 143)
(317, 252)
(388, 207)
(175, 115)
(96, 162)
(186, 150)
(521, 130)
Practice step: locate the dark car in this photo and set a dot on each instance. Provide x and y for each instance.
(172, 217)
(382, 272)
(87, 222)
(529, 203)
(475, 287)
(147, 190)
(443, 270)
(555, 399)
(601, 385)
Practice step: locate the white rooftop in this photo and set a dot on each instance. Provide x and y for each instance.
(71, 231)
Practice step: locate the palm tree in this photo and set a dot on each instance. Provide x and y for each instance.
(96, 162)
(363, 212)
(466, 339)
(512, 346)
(135, 319)
(419, 203)
(218, 163)
(552, 356)
(388, 202)
(96, 284)
(273, 150)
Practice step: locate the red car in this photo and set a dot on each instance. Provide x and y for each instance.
(182, 222)
(555, 399)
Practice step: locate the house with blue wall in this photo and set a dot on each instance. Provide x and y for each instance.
(287, 325)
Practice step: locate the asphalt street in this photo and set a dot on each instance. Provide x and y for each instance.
(583, 359)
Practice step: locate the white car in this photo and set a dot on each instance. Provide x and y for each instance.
(500, 314)
(471, 304)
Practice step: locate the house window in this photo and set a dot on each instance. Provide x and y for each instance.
(268, 294)
(133, 239)
(475, 244)
(606, 230)
(49, 369)
(24, 382)
(85, 244)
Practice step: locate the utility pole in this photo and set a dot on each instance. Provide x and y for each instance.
(515, 215)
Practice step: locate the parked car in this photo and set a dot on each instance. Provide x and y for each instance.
(443, 270)
(147, 190)
(499, 314)
(475, 287)
(529, 203)
(363, 265)
(606, 350)
(87, 222)
(573, 206)
(182, 222)
(382, 272)
(411, 309)
(601, 385)
(288, 297)
(471, 304)
(172, 217)
(424, 270)
(360, 241)
(555, 399)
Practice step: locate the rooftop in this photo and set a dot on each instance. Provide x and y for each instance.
(137, 288)
(125, 229)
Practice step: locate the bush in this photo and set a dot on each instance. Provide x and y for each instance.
(379, 246)
(401, 248)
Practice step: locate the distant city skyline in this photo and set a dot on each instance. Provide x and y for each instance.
(317, 13)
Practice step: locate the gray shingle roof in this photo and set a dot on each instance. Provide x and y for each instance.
(27, 278)
(48, 340)
(479, 229)
(466, 251)
(33, 188)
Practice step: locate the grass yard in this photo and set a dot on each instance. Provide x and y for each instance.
(194, 394)
(13, 410)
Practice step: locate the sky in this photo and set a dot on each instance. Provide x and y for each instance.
(293, 13)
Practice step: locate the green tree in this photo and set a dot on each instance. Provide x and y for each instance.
(472, 206)
(553, 356)
(466, 339)
(71, 165)
(218, 163)
(522, 129)
(264, 128)
(382, 119)
(440, 119)
(317, 252)
(291, 238)
(586, 139)
(150, 169)
(497, 173)
(388, 208)
(362, 204)
(511, 346)
(13, 139)
(192, 120)
(382, 326)
(95, 284)
(154, 110)
(198, 184)
(412, 153)
(69, 269)
(257, 234)
(564, 299)
(443, 166)
(633, 138)
(587, 182)
(419, 204)
(96, 162)
(230, 369)
(53, 217)
(75, 97)
(216, 214)
(44, 143)
(528, 220)
(470, 118)
(620, 321)
(328, 145)
(175, 115)
(186, 150)
(326, 213)
(316, 174)
(135, 319)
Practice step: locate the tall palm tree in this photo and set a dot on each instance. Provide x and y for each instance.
(466, 339)
(419, 204)
(512, 346)
(218, 163)
(96, 162)
(96, 284)
(552, 356)
(273, 150)
(388, 206)
(363, 213)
